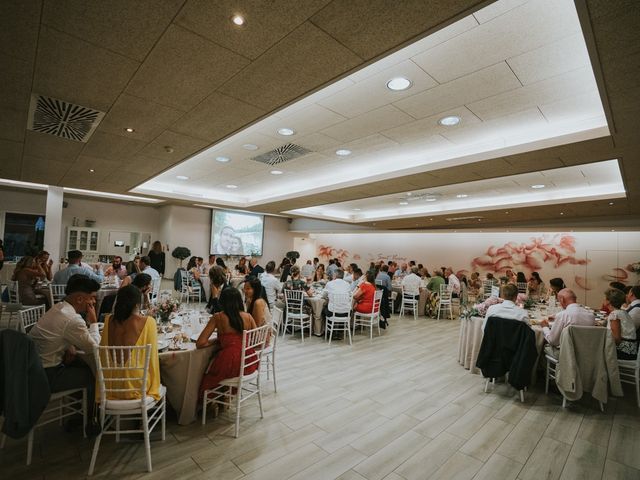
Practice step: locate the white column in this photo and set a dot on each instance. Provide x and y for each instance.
(53, 223)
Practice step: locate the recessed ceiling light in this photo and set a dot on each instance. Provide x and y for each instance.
(232, 186)
(223, 159)
(238, 20)
(250, 146)
(612, 230)
(540, 185)
(398, 84)
(182, 177)
(479, 219)
(91, 170)
(343, 152)
(286, 131)
(430, 199)
(404, 203)
(357, 209)
(610, 203)
(431, 219)
(561, 213)
(462, 195)
(507, 212)
(276, 172)
(129, 130)
(449, 121)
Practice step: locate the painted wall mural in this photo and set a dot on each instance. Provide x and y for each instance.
(586, 261)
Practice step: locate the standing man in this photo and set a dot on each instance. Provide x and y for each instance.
(307, 270)
(145, 267)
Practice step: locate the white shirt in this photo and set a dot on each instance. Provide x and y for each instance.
(62, 277)
(153, 273)
(634, 313)
(454, 284)
(307, 270)
(60, 328)
(574, 314)
(271, 286)
(411, 283)
(338, 287)
(506, 309)
(356, 283)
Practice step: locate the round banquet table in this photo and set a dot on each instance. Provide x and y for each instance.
(181, 372)
(471, 338)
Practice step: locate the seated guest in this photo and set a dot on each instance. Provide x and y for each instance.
(318, 275)
(27, 273)
(128, 327)
(511, 276)
(555, 285)
(221, 263)
(132, 270)
(156, 258)
(536, 287)
(621, 325)
(242, 268)
(62, 330)
(474, 283)
(337, 286)
(402, 271)
(633, 305)
(571, 314)
(606, 307)
(363, 296)
(453, 282)
(255, 270)
(75, 259)
(307, 270)
(331, 269)
(520, 278)
(296, 283)
(210, 263)
(230, 323)
(508, 308)
(142, 282)
(491, 279)
(434, 283)
(411, 283)
(358, 278)
(145, 267)
(45, 263)
(393, 266)
(116, 268)
(254, 302)
(218, 280)
(192, 268)
(383, 277)
(270, 283)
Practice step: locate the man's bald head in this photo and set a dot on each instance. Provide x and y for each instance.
(566, 297)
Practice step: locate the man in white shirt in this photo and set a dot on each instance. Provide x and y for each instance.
(145, 267)
(402, 271)
(61, 330)
(411, 283)
(210, 263)
(75, 267)
(335, 289)
(270, 283)
(358, 278)
(307, 270)
(633, 305)
(572, 314)
(508, 308)
(453, 282)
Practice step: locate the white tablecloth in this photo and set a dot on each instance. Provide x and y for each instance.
(317, 321)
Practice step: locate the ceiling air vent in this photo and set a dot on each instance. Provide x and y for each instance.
(282, 154)
(62, 119)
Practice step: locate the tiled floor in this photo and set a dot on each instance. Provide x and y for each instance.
(396, 408)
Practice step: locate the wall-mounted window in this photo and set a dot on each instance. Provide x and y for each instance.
(23, 234)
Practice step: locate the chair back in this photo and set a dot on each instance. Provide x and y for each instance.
(29, 317)
(57, 292)
(341, 302)
(276, 321)
(14, 295)
(487, 285)
(409, 294)
(377, 299)
(445, 291)
(293, 301)
(522, 287)
(122, 372)
(495, 291)
(253, 343)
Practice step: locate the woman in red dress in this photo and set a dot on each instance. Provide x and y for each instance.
(229, 324)
(363, 296)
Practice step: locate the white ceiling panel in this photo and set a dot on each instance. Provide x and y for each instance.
(426, 127)
(310, 120)
(587, 105)
(496, 9)
(485, 83)
(368, 123)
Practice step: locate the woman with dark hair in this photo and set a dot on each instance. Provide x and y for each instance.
(520, 278)
(218, 280)
(27, 272)
(536, 287)
(318, 275)
(363, 296)
(242, 268)
(221, 263)
(127, 327)
(142, 281)
(156, 255)
(255, 301)
(132, 270)
(556, 285)
(229, 323)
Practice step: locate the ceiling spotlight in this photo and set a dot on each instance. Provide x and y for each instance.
(357, 209)
(561, 213)
(223, 159)
(507, 212)
(398, 84)
(91, 170)
(129, 130)
(250, 146)
(276, 172)
(182, 177)
(612, 230)
(540, 185)
(430, 199)
(462, 195)
(232, 186)
(343, 152)
(404, 203)
(479, 219)
(286, 131)
(610, 203)
(449, 121)
(238, 20)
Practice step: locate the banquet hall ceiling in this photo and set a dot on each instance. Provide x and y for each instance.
(185, 78)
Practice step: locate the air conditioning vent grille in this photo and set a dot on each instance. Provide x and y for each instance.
(62, 119)
(282, 154)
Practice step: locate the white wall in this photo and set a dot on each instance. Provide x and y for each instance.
(587, 261)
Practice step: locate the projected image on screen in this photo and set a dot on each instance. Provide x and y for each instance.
(236, 233)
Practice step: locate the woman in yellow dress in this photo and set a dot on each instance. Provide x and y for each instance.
(127, 327)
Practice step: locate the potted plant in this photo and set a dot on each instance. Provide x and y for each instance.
(181, 253)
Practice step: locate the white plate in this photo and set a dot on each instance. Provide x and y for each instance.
(176, 321)
(163, 344)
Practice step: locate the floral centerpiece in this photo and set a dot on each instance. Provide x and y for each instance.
(482, 307)
(162, 310)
